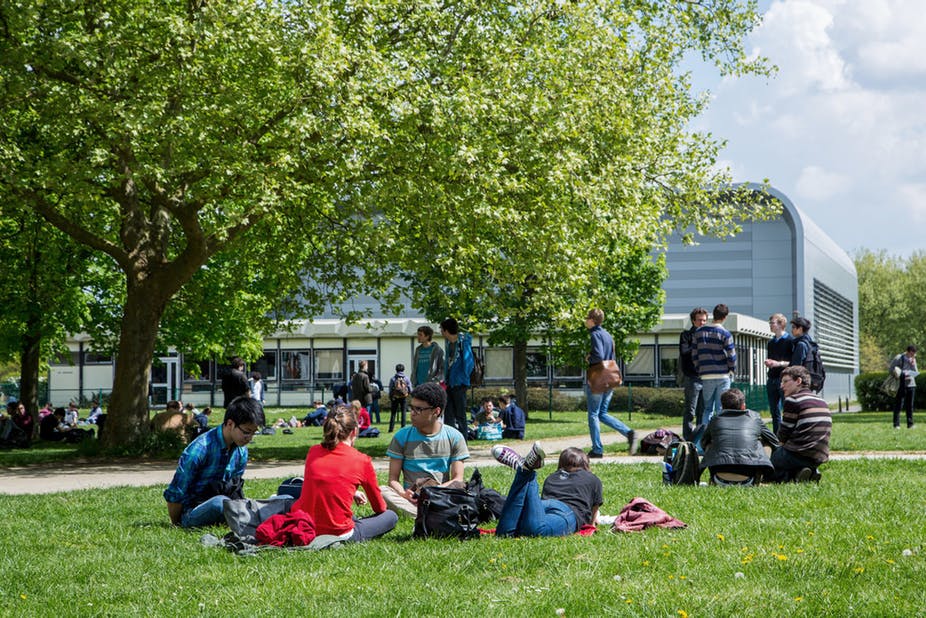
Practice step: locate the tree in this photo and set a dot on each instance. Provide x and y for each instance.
(45, 296)
(555, 193)
(178, 137)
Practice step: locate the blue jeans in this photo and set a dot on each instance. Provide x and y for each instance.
(525, 514)
(711, 390)
(690, 416)
(773, 389)
(206, 514)
(598, 413)
(787, 464)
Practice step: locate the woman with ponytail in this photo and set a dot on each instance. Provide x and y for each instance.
(334, 470)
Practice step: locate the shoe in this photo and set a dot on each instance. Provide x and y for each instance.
(534, 459)
(816, 476)
(804, 475)
(911, 426)
(594, 455)
(507, 457)
(632, 442)
(896, 426)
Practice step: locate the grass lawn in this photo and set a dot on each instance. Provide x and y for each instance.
(853, 545)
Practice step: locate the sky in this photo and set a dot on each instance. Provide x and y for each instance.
(841, 127)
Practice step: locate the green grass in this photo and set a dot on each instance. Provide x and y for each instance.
(836, 548)
(863, 431)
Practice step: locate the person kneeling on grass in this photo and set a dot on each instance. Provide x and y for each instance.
(334, 470)
(570, 500)
(211, 468)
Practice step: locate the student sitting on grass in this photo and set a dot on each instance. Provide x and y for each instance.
(570, 500)
(211, 468)
(513, 418)
(733, 443)
(334, 470)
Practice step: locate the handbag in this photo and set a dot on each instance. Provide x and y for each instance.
(446, 512)
(604, 376)
(891, 384)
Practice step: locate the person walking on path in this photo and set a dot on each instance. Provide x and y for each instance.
(905, 365)
(602, 349)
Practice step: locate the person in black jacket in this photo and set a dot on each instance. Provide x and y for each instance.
(235, 383)
(688, 375)
(734, 440)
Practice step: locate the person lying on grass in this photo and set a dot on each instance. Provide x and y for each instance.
(334, 470)
(570, 500)
(211, 468)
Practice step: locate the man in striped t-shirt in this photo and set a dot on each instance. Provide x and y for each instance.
(426, 452)
(806, 424)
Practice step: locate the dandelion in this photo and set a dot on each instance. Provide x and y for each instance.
(682, 613)
(869, 538)
(646, 563)
(739, 575)
(22, 596)
(907, 552)
(889, 561)
(800, 551)
(859, 570)
(629, 601)
(720, 537)
(798, 599)
(682, 577)
(671, 576)
(560, 611)
(617, 578)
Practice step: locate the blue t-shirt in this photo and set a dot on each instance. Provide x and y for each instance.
(427, 456)
(423, 369)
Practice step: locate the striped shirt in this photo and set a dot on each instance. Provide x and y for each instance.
(427, 456)
(714, 355)
(806, 424)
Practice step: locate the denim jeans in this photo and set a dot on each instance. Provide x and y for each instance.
(773, 389)
(206, 514)
(525, 514)
(691, 417)
(598, 413)
(711, 392)
(787, 464)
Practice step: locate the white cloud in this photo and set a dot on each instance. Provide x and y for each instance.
(912, 198)
(816, 183)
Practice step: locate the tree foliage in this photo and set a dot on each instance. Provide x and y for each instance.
(232, 160)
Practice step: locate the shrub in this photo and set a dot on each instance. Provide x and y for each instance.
(868, 391)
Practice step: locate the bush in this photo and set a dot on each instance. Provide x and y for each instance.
(646, 399)
(868, 391)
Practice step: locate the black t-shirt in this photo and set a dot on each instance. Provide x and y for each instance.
(580, 490)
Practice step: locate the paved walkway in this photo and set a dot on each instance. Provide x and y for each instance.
(42, 479)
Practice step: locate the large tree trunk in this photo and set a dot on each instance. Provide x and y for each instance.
(29, 356)
(520, 374)
(127, 415)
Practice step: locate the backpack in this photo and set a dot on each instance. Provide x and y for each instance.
(447, 512)
(814, 364)
(399, 388)
(681, 465)
(479, 370)
(657, 442)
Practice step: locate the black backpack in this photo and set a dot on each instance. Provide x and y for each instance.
(681, 464)
(814, 364)
(447, 512)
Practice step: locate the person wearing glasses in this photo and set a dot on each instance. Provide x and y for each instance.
(425, 452)
(211, 468)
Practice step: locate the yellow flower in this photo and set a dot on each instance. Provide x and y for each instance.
(682, 613)
(628, 601)
(781, 557)
(682, 577)
(870, 538)
(798, 599)
(646, 563)
(22, 596)
(889, 561)
(859, 570)
(720, 536)
(800, 551)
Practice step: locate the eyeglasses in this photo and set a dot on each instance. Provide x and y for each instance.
(246, 434)
(419, 410)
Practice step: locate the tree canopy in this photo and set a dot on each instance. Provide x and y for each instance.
(237, 161)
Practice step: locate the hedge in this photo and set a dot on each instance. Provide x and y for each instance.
(647, 400)
(868, 392)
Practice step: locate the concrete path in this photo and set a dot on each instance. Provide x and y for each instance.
(42, 479)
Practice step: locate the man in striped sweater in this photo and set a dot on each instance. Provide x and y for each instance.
(714, 358)
(805, 429)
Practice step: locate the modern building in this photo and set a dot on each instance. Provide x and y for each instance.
(785, 265)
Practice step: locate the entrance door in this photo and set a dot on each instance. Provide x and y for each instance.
(353, 361)
(165, 380)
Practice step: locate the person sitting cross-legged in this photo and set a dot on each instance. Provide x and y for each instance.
(570, 500)
(733, 443)
(806, 424)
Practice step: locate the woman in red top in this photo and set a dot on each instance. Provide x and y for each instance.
(334, 470)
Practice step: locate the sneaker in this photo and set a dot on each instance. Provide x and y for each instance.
(534, 459)
(804, 475)
(507, 457)
(911, 426)
(816, 476)
(632, 442)
(594, 455)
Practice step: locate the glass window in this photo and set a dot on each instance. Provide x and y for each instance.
(668, 361)
(266, 365)
(643, 363)
(330, 365)
(536, 364)
(97, 358)
(197, 370)
(295, 364)
(498, 362)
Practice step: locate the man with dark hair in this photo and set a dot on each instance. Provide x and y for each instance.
(904, 367)
(601, 349)
(427, 452)
(360, 388)
(690, 380)
(428, 360)
(733, 441)
(460, 363)
(513, 417)
(714, 358)
(234, 382)
(211, 468)
(806, 424)
(399, 389)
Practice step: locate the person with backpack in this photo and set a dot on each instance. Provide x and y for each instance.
(807, 354)
(904, 367)
(459, 366)
(806, 425)
(399, 388)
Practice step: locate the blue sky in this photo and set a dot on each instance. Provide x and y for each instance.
(841, 128)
